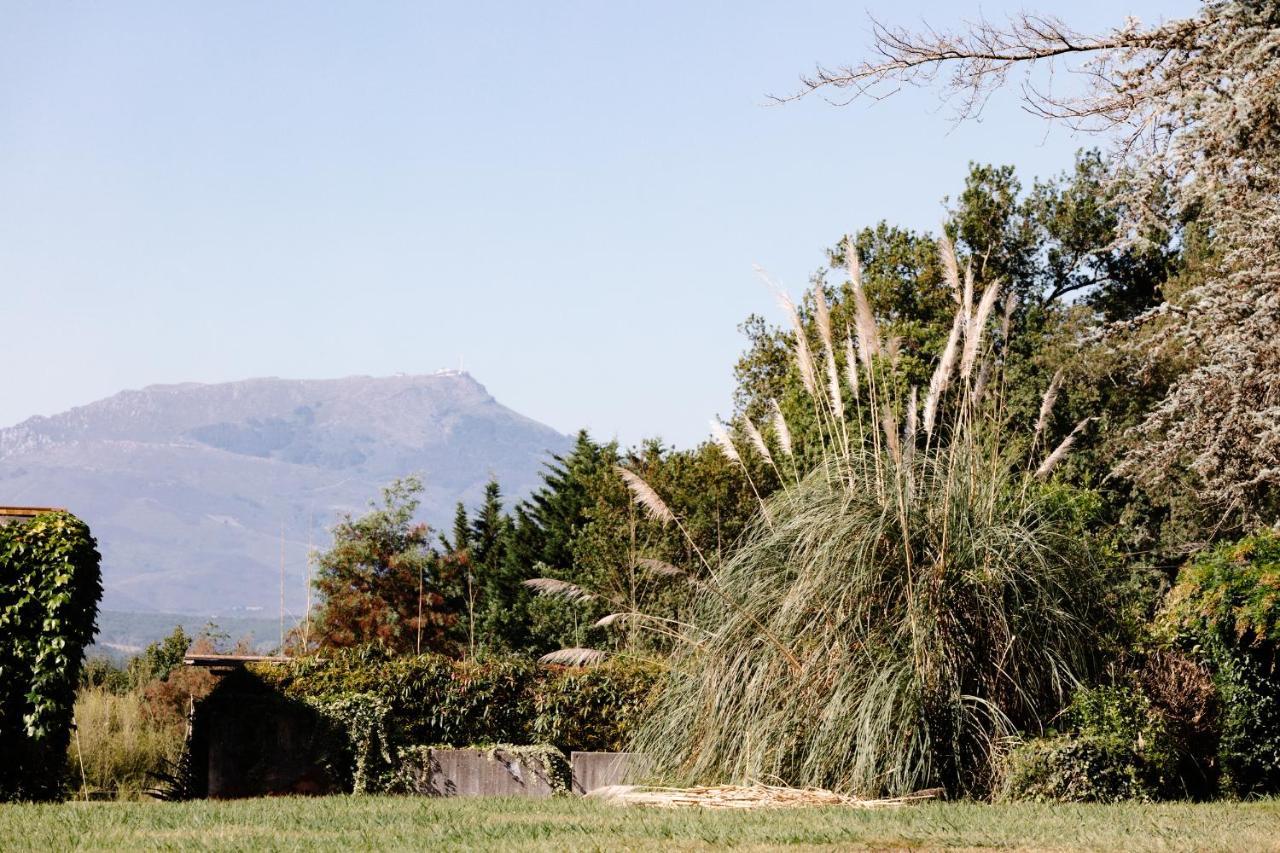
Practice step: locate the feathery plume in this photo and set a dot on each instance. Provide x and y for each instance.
(1059, 452)
(804, 355)
(757, 440)
(613, 618)
(1046, 406)
(966, 299)
(950, 265)
(909, 427)
(851, 365)
(863, 319)
(822, 315)
(556, 588)
(889, 423)
(725, 442)
(980, 384)
(660, 567)
(833, 387)
(974, 328)
(781, 428)
(573, 657)
(909, 432)
(942, 373)
(893, 349)
(646, 496)
(1010, 304)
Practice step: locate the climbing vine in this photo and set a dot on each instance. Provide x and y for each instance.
(50, 584)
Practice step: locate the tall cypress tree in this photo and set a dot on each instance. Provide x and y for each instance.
(544, 533)
(501, 621)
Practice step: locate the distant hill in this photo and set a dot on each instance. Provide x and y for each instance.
(121, 634)
(187, 486)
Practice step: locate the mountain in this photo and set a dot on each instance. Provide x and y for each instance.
(188, 487)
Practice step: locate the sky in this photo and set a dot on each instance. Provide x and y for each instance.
(564, 198)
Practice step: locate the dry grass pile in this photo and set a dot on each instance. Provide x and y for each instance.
(747, 797)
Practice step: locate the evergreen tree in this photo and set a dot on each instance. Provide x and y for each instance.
(545, 531)
(500, 611)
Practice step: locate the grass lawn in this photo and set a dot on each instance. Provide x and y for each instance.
(573, 824)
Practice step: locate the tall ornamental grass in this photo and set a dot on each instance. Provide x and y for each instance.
(900, 608)
(118, 744)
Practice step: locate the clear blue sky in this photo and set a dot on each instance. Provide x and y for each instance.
(567, 195)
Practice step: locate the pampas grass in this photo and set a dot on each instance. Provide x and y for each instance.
(922, 605)
(722, 438)
(974, 328)
(556, 588)
(647, 497)
(923, 601)
(942, 373)
(1060, 452)
(573, 657)
(1046, 406)
(782, 430)
(900, 611)
(864, 321)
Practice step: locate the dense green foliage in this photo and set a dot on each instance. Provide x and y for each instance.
(1225, 610)
(1074, 270)
(50, 584)
(1116, 748)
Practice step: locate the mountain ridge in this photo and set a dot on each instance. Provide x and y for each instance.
(188, 485)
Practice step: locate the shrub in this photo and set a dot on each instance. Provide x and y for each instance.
(596, 708)
(1232, 593)
(131, 722)
(1072, 768)
(50, 584)
(431, 699)
(1118, 748)
(1225, 611)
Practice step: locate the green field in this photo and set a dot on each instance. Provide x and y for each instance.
(572, 824)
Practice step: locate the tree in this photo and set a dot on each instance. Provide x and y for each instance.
(455, 563)
(501, 623)
(545, 537)
(380, 581)
(1194, 106)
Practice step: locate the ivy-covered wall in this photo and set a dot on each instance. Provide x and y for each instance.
(50, 585)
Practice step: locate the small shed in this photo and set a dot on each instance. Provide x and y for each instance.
(247, 740)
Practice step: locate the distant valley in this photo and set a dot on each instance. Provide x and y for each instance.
(189, 487)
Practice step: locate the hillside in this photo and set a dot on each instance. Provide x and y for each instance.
(188, 487)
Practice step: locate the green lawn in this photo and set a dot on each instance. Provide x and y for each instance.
(573, 824)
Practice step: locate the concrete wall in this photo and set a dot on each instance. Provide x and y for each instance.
(482, 773)
(592, 770)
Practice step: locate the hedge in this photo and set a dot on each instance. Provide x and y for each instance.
(383, 707)
(50, 584)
